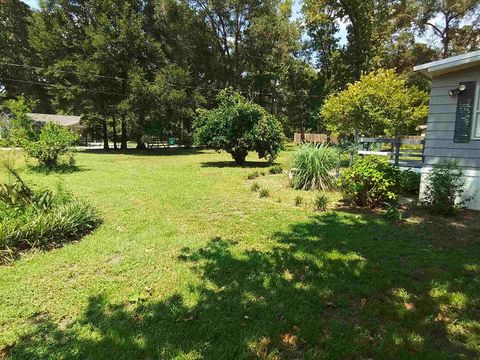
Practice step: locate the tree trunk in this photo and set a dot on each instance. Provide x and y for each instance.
(123, 139)
(114, 125)
(105, 134)
(140, 143)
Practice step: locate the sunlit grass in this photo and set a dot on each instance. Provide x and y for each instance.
(190, 263)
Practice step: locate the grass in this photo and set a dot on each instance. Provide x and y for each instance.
(189, 263)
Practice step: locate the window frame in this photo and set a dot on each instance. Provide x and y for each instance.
(476, 114)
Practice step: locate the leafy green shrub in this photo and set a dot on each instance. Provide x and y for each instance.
(33, 218)
(380, 103)
(393, 212)
(313, 167)
(410, 182)
(255, 187)
(445, 184)
(53, 142)
(321, 202)
(239, 126)
(264, 193)
(298, 201)
(370, 181)
(21, 129)
(253, 175)
(273, 170)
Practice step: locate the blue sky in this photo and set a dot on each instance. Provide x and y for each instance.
(32, 3)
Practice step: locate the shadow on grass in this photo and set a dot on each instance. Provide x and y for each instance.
(339, 286)
(146, 152)
(247, 164)
(59, 169)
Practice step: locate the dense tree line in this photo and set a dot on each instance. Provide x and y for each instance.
(136, 68)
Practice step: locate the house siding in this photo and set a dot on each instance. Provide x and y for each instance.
(439, 138)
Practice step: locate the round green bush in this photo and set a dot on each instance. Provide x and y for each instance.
(370, 181)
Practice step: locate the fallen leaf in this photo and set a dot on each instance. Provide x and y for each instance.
(409, 306)
(189, 318)
(289, 339)
(363, 302)
(441, 317)
(138, 318)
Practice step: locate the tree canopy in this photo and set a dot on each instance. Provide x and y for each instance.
(380, 103)
(149, 64)
(239, 126)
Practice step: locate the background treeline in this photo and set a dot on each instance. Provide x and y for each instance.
(137, 68)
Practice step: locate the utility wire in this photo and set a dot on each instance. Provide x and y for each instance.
(56, 85)
(170, 84)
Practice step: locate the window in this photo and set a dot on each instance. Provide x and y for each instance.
(476, 115)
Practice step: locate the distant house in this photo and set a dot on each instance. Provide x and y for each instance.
(71, 122)
(453, 128)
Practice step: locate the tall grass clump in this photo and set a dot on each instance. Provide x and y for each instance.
(313, 167)
(39, 217)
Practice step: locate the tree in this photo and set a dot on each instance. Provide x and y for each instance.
(379, 103)
(404, 52)
(16, 55)
(238, 126)
(369, 25)
(445, 18)
(89, 49)
(21, 125)
(54, 140)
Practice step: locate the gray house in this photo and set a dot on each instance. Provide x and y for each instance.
(453, 127)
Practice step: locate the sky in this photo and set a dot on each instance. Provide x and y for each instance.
(32, 3)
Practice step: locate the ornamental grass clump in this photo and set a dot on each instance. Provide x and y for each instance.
(314, 167)
(39, 217)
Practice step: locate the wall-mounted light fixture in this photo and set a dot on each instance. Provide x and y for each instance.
(458, 90)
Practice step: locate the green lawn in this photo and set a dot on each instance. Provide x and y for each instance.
(189, 263)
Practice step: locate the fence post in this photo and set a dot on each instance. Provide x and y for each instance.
(397, 150)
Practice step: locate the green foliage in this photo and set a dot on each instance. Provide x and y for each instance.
(393, 212)
(379, 103)
(298, 200)
(370, 181)
(313, 166)
(409, 182)
(321, 202)
(264, 193)
(21, 125)
(255, 187)
(253, 175)
(53, 142)
(239, 126)
(277, 169)
(37, 218)
(445, 185)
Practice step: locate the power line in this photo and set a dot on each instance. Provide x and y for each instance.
(55, 85)
(170, 84)
(65, 71)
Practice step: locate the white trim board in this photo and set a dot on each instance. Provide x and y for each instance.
(450, 64)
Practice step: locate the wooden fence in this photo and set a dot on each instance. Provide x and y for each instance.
(315, 138)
